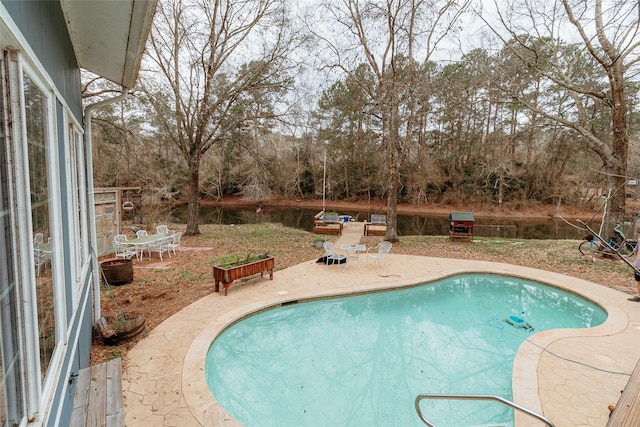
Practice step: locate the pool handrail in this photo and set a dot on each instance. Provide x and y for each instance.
(475, 397)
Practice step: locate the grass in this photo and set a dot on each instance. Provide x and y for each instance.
(116, 355)
(187, 276)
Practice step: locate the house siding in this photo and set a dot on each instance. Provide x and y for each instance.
(43, 26)
(51, 312)
(77, 357)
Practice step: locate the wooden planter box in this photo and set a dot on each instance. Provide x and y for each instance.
(226, 276)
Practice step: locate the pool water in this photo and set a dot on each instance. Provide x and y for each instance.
(362, 360)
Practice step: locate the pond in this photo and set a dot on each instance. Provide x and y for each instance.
(408, 225)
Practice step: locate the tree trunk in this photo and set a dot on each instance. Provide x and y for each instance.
(391, 234)
(615, 204)
(193, 209)
(617, 168)
(392, 144)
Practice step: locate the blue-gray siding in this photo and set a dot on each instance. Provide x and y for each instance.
(80, 338)
(42, 24)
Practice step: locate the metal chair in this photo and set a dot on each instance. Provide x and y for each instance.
(160, 246)
(379, 252)
(41, 259)
(162, 229)
(122, 250)
(38, 239)
(41, 252)
(174, 243)
(332, 256)
(142, 247)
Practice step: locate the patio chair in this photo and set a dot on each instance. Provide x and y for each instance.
(379, 252)
(331, 255)
(174, 243)
(38, 239)
(41, 259)
(162, 229)
(160, 246)
(142, 247)
(121, 249)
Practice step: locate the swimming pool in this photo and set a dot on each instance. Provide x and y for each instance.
(361, 360)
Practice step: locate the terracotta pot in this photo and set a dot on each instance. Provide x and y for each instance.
(117, 271)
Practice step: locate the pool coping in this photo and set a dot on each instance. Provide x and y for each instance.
(542, 380)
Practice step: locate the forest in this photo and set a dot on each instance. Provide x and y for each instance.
(409, 102)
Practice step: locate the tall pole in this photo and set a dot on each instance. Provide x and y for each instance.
(324, 178)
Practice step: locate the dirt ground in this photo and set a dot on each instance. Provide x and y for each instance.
(160, 289)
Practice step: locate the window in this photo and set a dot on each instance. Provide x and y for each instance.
(11, 408)
(78, 203)
(40, 138)
(36, 113)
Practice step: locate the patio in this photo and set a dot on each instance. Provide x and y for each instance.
(164, 383)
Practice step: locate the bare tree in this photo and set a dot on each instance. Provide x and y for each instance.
(211, 60)
(384, 34)
(586, 48)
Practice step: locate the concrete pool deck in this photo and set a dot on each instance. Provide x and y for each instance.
(569, 376)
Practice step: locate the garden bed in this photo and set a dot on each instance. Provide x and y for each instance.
(227, 272)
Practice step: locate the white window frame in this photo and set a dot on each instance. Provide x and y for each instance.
(57, 267)
(77, 205)
(29, 392)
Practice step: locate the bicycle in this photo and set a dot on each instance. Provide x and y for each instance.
(592, 245)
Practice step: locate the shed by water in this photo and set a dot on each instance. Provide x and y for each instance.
(461, 226)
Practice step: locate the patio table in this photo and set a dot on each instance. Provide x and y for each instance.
(141, 243)
(353, 251)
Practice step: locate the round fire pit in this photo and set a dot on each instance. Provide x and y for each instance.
(117, 271)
